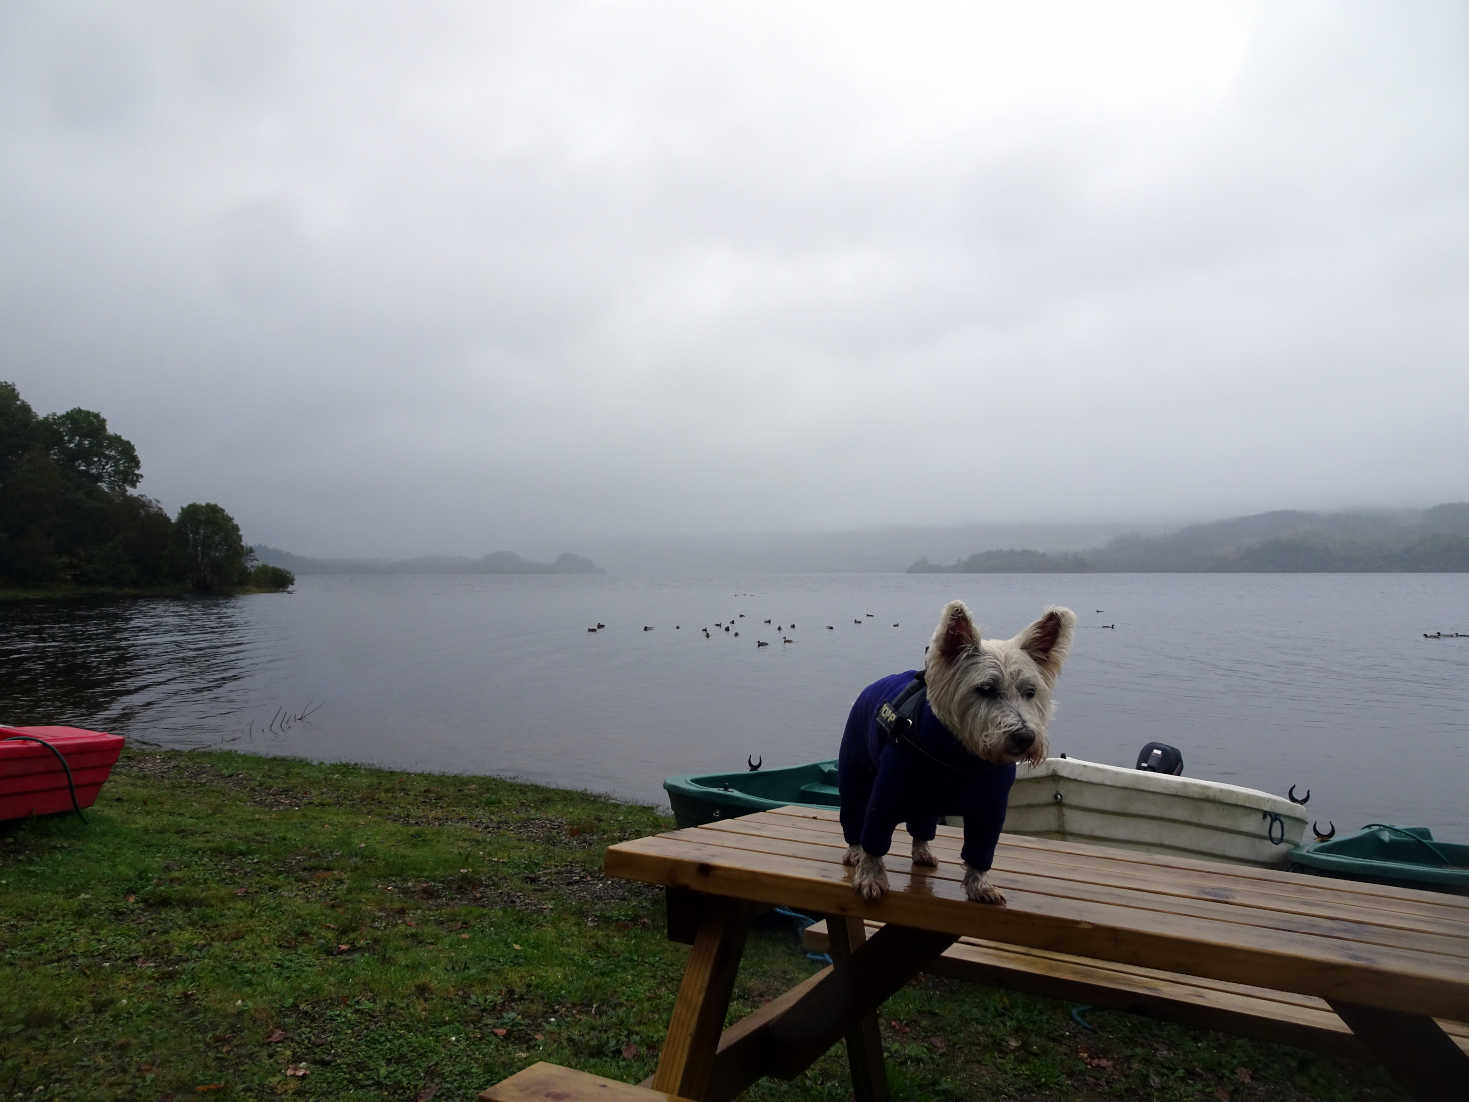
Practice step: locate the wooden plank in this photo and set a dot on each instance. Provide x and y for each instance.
(1411, 900)
(1292, 896)
(1444, 936)
(1370, 938)
(1283, 958)
(1302, 1020)
(545, 1082)
(686, 1063)
(846, 995)
(738, 1061)
(740, 1057)
(1417, 1052)
(864, 1041)
(1408, 908)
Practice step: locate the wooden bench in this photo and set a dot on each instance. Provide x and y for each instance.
(544, 1082)
(1300, 1020)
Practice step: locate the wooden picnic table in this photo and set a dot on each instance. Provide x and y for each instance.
(1389, 961)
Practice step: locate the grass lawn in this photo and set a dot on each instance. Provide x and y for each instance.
(227, 926)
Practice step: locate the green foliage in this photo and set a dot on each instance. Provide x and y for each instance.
(69, 518)
(209, 545)
(80, 444)
(263, 576)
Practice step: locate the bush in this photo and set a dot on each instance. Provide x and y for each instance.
(271, 577)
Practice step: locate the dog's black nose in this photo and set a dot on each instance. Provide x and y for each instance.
(1023, 739)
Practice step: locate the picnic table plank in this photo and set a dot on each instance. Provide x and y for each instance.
(1388, 896)
(1258, 1011)
(1414, 982)
(1409, 908)
(1143, 894)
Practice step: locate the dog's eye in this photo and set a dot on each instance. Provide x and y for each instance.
(986, 689)
(1028, 691)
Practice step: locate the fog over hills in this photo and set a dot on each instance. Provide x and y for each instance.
(1366, 539)
(1434, 539)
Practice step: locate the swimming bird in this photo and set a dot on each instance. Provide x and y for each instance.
(761, 643)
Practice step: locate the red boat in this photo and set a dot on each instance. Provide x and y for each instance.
(33, 780)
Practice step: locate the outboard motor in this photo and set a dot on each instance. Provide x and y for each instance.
(1159, 757)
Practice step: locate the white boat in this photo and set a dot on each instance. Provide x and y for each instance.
(1086, 801)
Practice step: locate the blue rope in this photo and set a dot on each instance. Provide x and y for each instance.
(802, 921)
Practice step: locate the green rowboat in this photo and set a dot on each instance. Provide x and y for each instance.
(702, 798)
(1408, 856)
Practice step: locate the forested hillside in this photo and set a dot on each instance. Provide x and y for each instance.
(69, 516)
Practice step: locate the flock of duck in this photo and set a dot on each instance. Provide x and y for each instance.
(731, 627)
(1446, 635)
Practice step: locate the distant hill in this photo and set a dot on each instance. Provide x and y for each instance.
(1422, 541)
(1007, 562)
(496, 562)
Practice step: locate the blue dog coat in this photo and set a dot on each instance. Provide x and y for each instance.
(884, 783)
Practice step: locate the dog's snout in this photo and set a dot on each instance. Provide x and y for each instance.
(1023, 739)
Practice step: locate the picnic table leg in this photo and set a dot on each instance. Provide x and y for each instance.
(1415, 1049)
(686, 1063)
(864, 1041)
(844, 996)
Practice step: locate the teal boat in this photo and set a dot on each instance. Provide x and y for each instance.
(702, 798)
(1407, 856)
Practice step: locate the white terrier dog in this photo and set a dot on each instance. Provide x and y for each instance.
(917, 747)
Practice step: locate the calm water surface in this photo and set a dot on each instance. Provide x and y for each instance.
(1322, 681)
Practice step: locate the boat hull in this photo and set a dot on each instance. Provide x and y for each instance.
(33, 782)
(1405, 856)
(703, 798)
(1063, 798)
(1074, 800)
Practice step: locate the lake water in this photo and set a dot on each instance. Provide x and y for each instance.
(1321, 681)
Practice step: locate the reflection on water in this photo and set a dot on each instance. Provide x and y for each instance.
(183, 664)
(1321, 681)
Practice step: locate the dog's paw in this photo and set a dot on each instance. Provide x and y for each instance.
(872, 879)
(977, 887)
(853, 857)
(922, 855)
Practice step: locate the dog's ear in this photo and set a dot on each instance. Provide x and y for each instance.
(1048, 641)
(956, 633)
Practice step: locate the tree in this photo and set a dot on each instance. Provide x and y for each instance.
(80, 443)
(209, 545)
(17, 428)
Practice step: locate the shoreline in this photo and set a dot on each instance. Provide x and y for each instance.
(72, 593)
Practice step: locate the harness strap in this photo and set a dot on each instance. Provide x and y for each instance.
(901, 716)
(899, 719)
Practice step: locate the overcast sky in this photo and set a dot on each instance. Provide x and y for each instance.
(405, 278)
